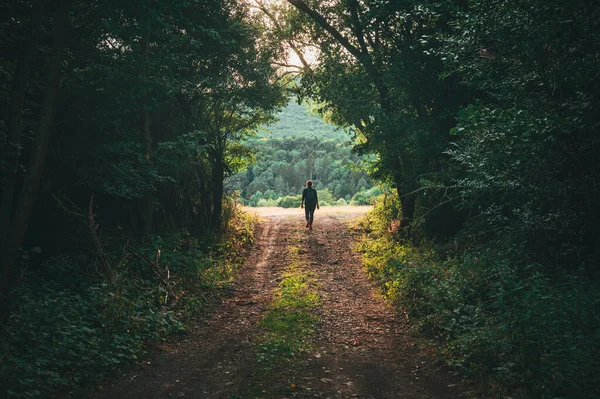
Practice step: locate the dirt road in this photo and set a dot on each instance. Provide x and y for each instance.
(359, 349)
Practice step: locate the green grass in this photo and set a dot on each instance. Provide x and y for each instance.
(288, 327)
(289, 323)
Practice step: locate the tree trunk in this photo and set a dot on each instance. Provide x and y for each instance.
(217, 178)
(12, 151)
(407, 202)
(37, 161)
(147, 201)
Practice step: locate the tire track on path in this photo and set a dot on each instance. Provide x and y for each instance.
(216, 357)
(363, 348)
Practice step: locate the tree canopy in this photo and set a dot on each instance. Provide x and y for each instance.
(481, 116)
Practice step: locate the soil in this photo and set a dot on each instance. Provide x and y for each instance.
(362, 347)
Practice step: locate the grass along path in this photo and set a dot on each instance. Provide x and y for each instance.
(290, 321)
(289, 326)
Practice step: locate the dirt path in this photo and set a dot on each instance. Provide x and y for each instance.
(360, 347)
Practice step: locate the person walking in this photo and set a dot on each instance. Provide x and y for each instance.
(310, 201)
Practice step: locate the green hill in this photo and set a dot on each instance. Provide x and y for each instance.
(296, 120)
(299, 147)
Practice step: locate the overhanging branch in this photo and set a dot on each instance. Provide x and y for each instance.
(290, 42)
(362, 56)
(302, 6)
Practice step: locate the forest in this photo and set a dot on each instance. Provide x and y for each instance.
(298, 147)
(130, 131)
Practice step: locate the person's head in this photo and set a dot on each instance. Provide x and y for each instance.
(309, 183)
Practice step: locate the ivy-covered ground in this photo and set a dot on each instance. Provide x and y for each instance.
(77, 323)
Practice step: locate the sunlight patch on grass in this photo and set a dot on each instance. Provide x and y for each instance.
(290, 321)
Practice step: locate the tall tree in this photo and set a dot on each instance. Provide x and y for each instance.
(136, 78)
(12, 148)
(23, 206)
(375, 74)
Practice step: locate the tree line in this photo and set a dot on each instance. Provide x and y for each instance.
(299, 147)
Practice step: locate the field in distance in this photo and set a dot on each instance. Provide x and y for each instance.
(325, 210)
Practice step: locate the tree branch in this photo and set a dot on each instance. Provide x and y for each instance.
(281, 64)
(290, 42)
(318, 18)
(358, 31)
(362, 56)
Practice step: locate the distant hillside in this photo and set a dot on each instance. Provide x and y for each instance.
(297, 121)
(299, 147)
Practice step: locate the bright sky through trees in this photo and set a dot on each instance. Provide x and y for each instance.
(271, 17)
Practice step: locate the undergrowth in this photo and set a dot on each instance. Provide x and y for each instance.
(508, 324)
(73, 326)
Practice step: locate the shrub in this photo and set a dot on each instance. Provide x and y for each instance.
(366, 197)
(266, 202)
(61, 338)
(290, 201)
(70, 329)
(497, 317)
(325, 196)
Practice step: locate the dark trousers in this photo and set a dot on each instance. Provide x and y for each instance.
(309, 212)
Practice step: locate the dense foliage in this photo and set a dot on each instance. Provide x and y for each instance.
(146, 109)
(73, 330)
(297, 148)
(376, 75)
(119, 123)
(497, 319)
(481, 114)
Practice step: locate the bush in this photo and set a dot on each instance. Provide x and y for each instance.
(62, 338)
(366, 197)
(266, 202)
(325, 196)
(291, 201)
(497, 318)
(253, 201)
(69, 330)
